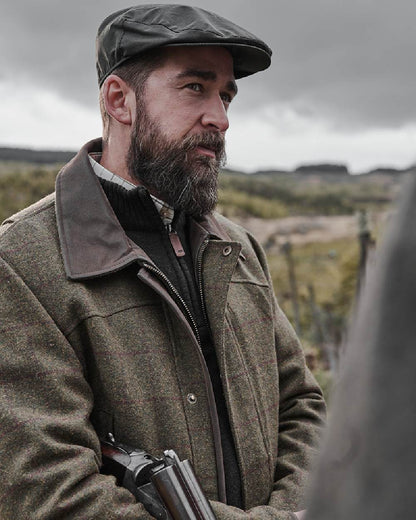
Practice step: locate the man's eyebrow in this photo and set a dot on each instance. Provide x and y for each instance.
(206, 75)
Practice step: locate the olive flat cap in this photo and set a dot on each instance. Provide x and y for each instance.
(132, 31)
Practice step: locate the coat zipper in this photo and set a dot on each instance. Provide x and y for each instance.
(219, 453)
(199, 278)
(175, 241)
(191, 321)
(175, 292)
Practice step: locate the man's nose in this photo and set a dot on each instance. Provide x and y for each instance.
(215, 115)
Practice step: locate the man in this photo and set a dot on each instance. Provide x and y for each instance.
(131, 310)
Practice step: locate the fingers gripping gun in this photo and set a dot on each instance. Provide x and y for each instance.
(167, 487)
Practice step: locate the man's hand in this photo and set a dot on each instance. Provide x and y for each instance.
(301, 514)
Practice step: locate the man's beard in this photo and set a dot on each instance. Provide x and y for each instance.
(172, 170)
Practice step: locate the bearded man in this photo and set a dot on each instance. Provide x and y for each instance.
(132, 311)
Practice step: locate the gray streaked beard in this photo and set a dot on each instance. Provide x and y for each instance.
(166, 169)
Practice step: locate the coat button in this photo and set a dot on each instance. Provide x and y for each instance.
(227, 250)
(191, 398)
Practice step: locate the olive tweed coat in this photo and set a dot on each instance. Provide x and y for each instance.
(92, 342)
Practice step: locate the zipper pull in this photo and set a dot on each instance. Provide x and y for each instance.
(175, 241)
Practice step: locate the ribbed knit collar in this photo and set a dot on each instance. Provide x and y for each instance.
(135, 208)
(166, 211)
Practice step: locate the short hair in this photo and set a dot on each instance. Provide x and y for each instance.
(135, 73)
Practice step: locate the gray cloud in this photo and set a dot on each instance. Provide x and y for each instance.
(348, 63)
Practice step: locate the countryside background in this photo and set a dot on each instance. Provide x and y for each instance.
(319, 225)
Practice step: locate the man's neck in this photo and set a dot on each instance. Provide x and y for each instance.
(113, 159)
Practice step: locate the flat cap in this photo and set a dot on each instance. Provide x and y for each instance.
(132, 31)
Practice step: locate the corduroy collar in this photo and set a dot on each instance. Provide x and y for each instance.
(93, 243)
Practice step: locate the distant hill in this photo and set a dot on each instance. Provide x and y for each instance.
(335, 169)
(390, 171)
(35, 156)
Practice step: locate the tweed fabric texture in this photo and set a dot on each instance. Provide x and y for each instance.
(141, 221)
(107, 349)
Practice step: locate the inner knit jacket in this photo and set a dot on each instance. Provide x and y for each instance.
(93, 343)
(142, 223)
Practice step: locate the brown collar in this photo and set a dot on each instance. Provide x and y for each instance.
(93, 243)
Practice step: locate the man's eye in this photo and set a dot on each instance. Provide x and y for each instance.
(226, 97)
(196, 87)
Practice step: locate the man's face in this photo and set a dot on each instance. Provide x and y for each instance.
(177, 141)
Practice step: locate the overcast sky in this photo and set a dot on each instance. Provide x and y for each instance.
(341, 88)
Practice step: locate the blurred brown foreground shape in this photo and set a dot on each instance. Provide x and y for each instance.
(367, 467)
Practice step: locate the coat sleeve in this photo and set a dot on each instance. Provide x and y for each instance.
(50, 452)
(301, 416)
(302, 413)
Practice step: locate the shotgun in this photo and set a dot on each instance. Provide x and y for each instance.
(166, 486)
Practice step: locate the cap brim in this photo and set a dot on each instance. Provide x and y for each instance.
(247, 58)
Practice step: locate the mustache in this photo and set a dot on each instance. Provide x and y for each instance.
(211, 140)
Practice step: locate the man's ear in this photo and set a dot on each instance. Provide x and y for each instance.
(119, 100)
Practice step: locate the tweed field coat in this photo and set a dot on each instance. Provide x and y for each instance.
(92, 343)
